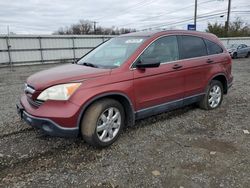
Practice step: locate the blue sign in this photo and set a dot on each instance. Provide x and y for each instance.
(191, 27)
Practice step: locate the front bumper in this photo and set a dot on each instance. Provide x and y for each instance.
(230, 85)
(46, 125)
(230, 82)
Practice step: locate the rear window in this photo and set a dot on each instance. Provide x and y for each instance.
(192, 46)
(213, 48)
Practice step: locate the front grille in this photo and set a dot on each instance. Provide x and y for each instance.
(35, 103)
(29, 91)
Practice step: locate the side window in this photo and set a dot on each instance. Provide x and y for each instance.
(164, 49)
(192, 46)
(213, 48)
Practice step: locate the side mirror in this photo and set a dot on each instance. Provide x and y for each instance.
(147, 63)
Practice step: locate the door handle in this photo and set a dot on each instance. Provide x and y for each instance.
(177, 66)
(210, 61)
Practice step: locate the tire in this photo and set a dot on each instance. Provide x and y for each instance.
(211, 95)
(108, 116)
(248, 55)
(235, 56)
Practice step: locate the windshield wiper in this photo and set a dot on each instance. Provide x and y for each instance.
(90, 64)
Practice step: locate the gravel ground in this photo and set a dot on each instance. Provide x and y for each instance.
(188, 147)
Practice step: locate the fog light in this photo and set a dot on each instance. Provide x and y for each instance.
(28, 120)
(46, 128)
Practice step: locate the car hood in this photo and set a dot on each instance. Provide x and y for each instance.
(231, 49)
(63, 74)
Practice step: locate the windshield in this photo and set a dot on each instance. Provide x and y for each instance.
(112, 53)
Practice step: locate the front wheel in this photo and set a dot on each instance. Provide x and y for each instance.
(103, 122)
(213, 96)
(235, 56)
(248, 55)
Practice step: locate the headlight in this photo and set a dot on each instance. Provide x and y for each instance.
(59, 92)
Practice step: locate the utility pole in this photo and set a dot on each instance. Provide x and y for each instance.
(228, 17)
(95, 26)
(195, 13)
(8, 47)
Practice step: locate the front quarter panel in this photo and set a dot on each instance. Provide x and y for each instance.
(120, 83)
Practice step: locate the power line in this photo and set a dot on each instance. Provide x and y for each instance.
(203, 18)
(241, 6)
(186, 20)
(200, 17)
(247, 11)
(181, 9)
(166, 13)
(189, 18)
(125, 11)
(177, 10)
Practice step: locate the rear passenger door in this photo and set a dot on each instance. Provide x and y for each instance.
(196, 63)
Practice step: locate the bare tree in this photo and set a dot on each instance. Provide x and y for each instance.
(86, 27)
(76, 29)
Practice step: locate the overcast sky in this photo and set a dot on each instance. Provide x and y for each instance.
(46, 16)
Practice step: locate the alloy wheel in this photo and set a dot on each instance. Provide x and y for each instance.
(214, 97)
(108, 124)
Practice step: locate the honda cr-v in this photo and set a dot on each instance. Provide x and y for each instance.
(129, 77)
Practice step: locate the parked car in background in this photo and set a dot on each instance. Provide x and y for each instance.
(238, 50)
(129, 77)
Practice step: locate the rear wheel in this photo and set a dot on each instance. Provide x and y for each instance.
(213, 96)
(103, 122)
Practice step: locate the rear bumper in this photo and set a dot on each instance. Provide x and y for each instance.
(48, 126)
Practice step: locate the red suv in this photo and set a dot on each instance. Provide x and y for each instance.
(129, 77)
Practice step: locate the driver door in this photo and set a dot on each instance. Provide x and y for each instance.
(163, 86)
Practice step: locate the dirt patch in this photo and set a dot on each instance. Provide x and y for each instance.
(215, 145)
(196, 166)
